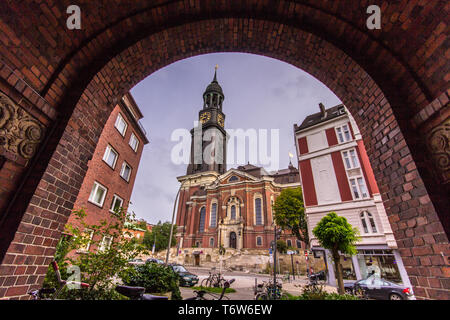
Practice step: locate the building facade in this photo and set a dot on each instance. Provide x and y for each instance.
(111, 173)
(336, 176)
(220, 207)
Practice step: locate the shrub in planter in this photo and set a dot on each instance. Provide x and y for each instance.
(155, 278)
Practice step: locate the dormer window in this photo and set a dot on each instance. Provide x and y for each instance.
(233, 178)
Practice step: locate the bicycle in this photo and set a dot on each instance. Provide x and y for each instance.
(265, 291)
(200, 295)
(213, 280)
(137, 293)
(43, 293)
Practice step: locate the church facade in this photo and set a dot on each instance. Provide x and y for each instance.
(230, 208)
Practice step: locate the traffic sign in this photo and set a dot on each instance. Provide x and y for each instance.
(290, 252)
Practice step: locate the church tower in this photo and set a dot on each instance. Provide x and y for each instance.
(209, 138)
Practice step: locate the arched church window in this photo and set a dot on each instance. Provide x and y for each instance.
(233, 178)
(233, 212)
(258, 213)
(202, 219)
(212, 223)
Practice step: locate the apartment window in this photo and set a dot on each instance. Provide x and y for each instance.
(289, 242)
(299, 244)
(121, 125)
(258, 213)
(211, 242)
(134, 142)
(98, 194)
(89, 233)
(106, 243)
(367, 216)
(343, 133)
(350, 159)
(110, 156)
(202, 219)
(259, 241)
(126, 171)
(212, 222)
(116, 204)
(359, 188)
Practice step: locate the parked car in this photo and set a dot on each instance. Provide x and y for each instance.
(153, 260)
(137, 261)
(187, 279)
(379, 289)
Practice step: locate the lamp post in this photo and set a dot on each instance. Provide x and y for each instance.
(171, 226)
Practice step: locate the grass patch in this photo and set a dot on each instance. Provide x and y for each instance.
(213, 289)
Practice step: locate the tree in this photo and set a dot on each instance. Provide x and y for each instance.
(281, 246)
(289, 213)
(101, 266)
(160, 233)
(337, 235)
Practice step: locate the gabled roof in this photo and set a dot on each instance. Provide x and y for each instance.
(236, 172)
(322, 116)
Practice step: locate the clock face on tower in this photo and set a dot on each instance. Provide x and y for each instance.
(204, 117)
(220, 120)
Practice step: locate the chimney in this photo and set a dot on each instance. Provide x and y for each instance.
(322, 111)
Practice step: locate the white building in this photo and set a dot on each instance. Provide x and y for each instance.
(336, 176)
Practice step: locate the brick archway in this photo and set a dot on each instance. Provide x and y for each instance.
(395, 89)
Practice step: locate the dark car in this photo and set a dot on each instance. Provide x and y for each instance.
(187, 279)
(379, 289)
(153, 260)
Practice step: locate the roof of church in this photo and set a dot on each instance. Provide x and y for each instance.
(281, 176)
(322, 116)
(214, 86)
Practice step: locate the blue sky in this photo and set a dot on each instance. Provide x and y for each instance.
(260, 93)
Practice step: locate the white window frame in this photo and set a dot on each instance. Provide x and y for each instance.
(258, 196)
(261, 244)
(133, 136)
(346, 155)
(123, 170)
(355, 178)
(367, 217)
(121, 118)
(115, 196)
(341, 129)
(91, 232)
(102, 244)
(211, 242)
(108, 150)
(94, 191)
(211, 221)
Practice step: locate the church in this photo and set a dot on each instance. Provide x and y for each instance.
(230, 208)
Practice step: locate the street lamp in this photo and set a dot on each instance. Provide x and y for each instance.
(171, 226)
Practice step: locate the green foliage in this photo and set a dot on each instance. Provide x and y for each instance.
(155, 278)
(289, 213)
(214, 289)
(335, 233)
(101, 264)
(141, 224)
(318, 293)
(281, 246)
(62, 249)
(160, 232)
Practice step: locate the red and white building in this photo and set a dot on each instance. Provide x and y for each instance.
(336, 176)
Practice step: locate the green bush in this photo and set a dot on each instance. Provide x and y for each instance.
(155, 278)
(213, 289)
(317, 293)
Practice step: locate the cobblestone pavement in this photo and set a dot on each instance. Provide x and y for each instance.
(245, 282)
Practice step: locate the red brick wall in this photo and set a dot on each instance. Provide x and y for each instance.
(100, 171)
(394, 82)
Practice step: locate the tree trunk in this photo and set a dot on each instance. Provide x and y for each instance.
(339, 274)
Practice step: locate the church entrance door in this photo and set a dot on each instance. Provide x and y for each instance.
(233, 240)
